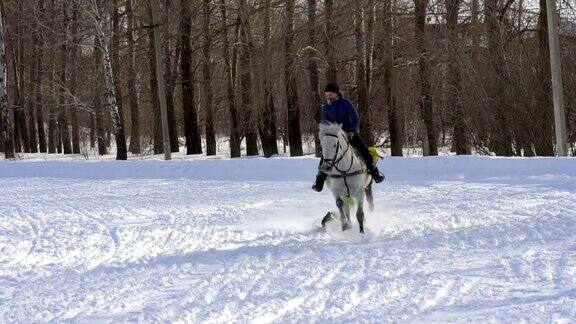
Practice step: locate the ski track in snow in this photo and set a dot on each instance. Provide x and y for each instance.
(222, 251)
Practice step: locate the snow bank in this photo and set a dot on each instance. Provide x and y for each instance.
(462, 168)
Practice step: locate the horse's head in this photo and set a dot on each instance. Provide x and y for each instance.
(333, 142)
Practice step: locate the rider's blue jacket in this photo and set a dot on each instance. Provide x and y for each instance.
(341, 111)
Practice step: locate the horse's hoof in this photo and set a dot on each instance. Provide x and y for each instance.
(329, 216)
(345, 227)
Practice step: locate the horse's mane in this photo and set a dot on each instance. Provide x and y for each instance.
(331, 128)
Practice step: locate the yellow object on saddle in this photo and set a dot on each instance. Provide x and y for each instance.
(376, 155)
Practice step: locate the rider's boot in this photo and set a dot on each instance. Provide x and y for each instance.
(376, 175)
(319, 183)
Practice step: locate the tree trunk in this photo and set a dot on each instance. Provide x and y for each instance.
(169, 79)
(369, 28)
(230, 93)
(6, 115)
(394, 127)
(313, 76)
(294, 133)
(332, 71)
(193, 140)
(249, 120)
(115, 53)
(62, 110)
(62, 75)
(20, 68)
(17, 106)
(74, 79)
(362, 87)
(38, 93)
(425, 72)
(475, 29)
(501, 137)
(32, 134)
(157, 33)
(97, 122)
(53, 100)
(543, 130)
(207, 82)
(92, 129)
(267, 125)
(118, 126)
(454, 83)
(158, 141)
(135, 147)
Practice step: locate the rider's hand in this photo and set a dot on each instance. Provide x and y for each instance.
(350, 135)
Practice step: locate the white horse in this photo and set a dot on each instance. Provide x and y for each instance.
(348, 178)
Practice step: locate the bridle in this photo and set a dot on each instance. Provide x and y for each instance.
(333, 162)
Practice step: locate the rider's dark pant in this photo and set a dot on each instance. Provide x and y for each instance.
(357, 143)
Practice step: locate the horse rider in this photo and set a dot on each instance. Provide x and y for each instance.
(341, 110)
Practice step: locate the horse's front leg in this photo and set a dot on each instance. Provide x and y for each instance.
(344, 213)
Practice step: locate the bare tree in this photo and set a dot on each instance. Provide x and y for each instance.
(314, 78)
(267, 124)
(230, 93)
(76, 39)
(154, 78)
(207, 82)
(369, 41)
(425, 71)
(544, 139)
(62, 78)
(132, 95)
(332, 72)
(249, 120)
(193, 143)
(394, 128)
(6, 112)
(501, 139)
(169, 78)
(361, 83)
(294, 132)
(454, 87)
(52, 85)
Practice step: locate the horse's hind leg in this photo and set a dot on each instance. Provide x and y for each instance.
(344, 213)
(360, 214)
(370, 197)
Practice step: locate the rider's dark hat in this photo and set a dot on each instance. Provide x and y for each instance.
(332, 87)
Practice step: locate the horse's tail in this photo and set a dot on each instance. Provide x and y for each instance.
(370, 197)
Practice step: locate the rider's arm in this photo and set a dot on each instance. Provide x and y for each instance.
(353, 114)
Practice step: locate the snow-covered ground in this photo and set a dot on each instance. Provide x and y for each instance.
(452, 239)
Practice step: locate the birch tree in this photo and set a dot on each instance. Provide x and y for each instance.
(118, 127)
